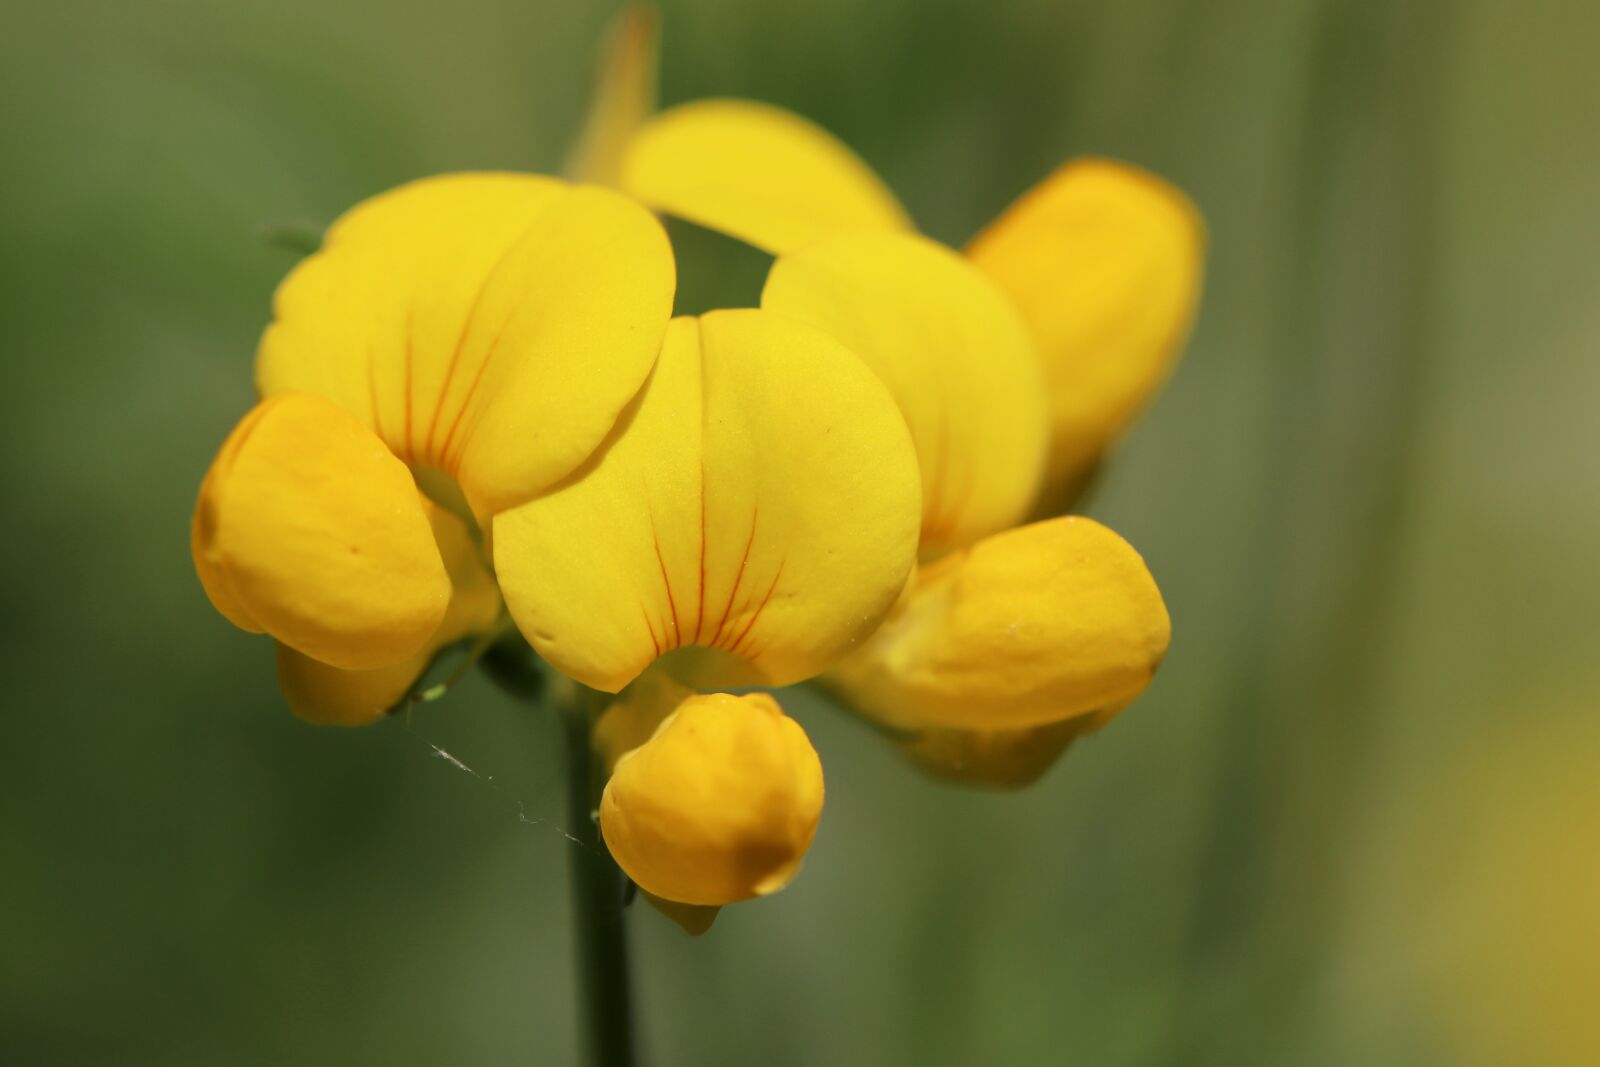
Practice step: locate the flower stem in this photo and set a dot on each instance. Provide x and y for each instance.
(596, 887)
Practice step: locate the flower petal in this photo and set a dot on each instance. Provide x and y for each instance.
(957, 358)
(760, 499)
(758, 173)
(309, 529)
(203, 529)
(627, 723)
(1104, 261)
(332, 697)
(632, 719)
(997, 759)
(1032, 626)
(329, 696)
(475, 605)
(624, 95)
(489, 325)
(692, 919)
(719, 806)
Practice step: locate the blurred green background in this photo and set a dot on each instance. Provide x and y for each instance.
(1355, 818)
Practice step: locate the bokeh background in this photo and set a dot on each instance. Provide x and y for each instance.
(1356, 819)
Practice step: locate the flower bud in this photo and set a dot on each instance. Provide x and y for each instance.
(720, 805)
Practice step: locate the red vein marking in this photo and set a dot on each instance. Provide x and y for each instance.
(410, 450)
(748, 626)
(469, 427)
(700, 612)
(755, 513)
(466, 401)
(455, 358)
(648, 625)
(466, 326)
(677, 632)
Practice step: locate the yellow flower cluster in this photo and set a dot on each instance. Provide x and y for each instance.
(475, 400)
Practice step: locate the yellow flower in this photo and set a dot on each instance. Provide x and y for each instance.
(473, 399)
(1102, 260)
(481, 367)
(476, 334)
(753, 517)
(1016, 366)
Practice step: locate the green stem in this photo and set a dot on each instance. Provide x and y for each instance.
(595, 885)
(598, 927)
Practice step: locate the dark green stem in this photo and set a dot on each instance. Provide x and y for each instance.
(596, 886)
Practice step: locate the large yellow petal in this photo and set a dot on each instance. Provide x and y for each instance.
(1035, 625)
(720, 805)
(758, 173)
(309, 529)
(760, 499)
(1104, 261)
(488, 325)
(957, 358)
(332, 697)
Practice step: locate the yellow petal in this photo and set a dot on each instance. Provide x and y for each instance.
(310, 530)
(760, 500)
(692, 919)
(203, 529)
(631, 719)
(719, 806)
(488, 325)
(1104, 262)
(329, 696)
(957, 358)
(624, 96)
(997, 759)
(1032, 626)
(758, 173)
(474, 597)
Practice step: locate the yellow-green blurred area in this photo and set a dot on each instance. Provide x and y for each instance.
(1355, 820)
